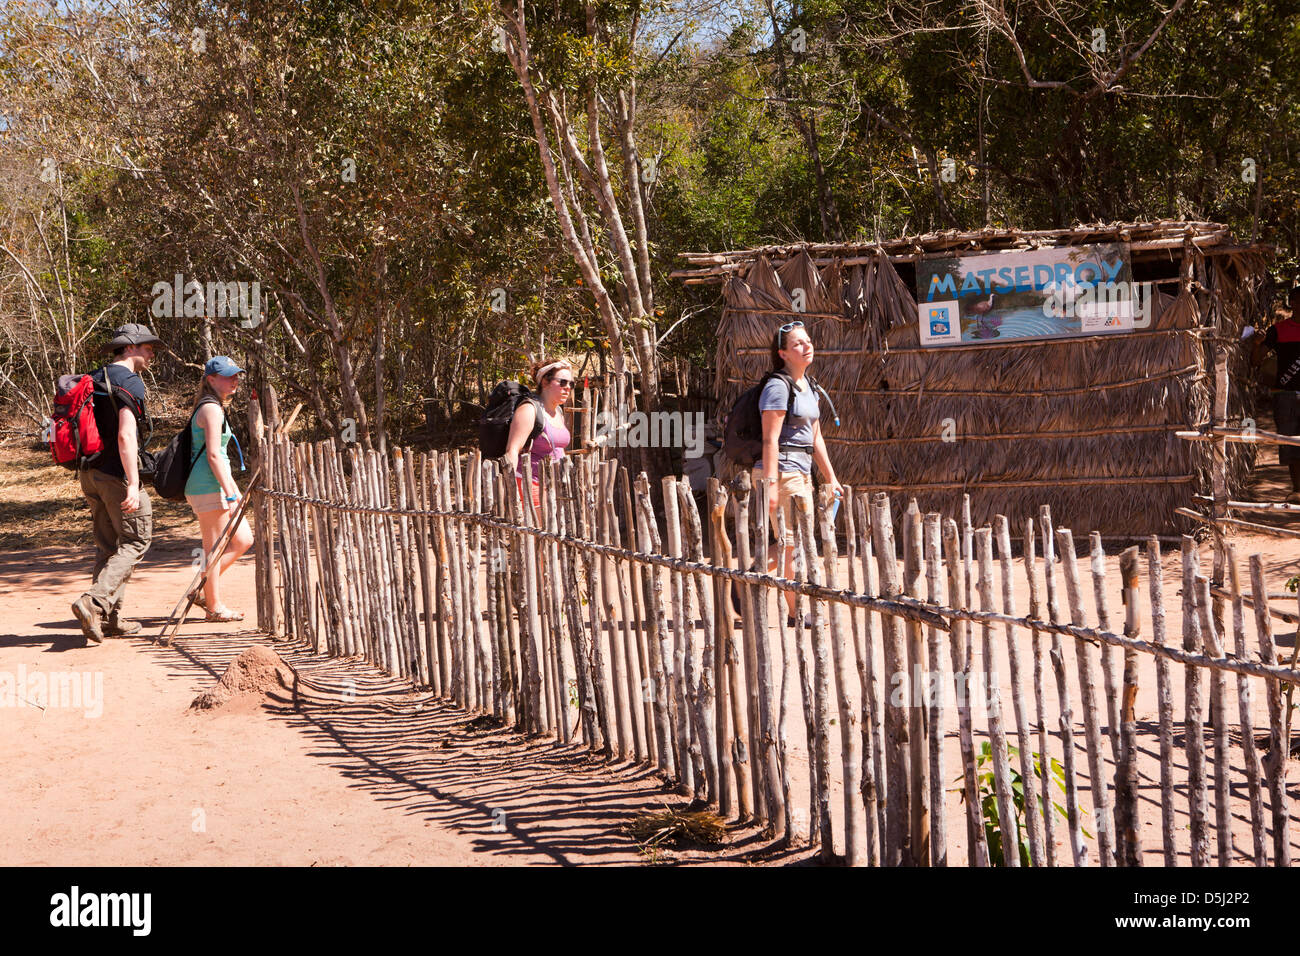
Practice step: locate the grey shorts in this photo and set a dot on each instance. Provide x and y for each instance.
(1286, 411)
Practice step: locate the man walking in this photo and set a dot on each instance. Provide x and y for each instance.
(1283, 337)
(120, 509)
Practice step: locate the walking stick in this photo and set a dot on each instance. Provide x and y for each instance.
(218, 548)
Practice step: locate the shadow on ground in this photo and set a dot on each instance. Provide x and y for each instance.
(423, 756)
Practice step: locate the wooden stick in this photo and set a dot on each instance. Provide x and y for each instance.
(1024, 743)
(1127, 832)
(807, 694)
(569, 560)
(788, 834)
(1078, 848)
(1194, 712)
(769, 756)
(1010, 837)
(959, 645)
(1245, 723)
(750, 597)
(1276, 760)
(731, 735)
(898, 769)
(855, 850)
(1164, 701)
(1218, 687)
(1109, 666)
(703, 694)
(873, 775)
(1046, 804)
(918, 731)
(938, 836)
(620, 641)
(690, 753)
(640, 618)
(600, 666)
(1086, 667)
(553, 669)
(660, 648)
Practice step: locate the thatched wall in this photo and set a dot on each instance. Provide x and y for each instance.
(1085, 425)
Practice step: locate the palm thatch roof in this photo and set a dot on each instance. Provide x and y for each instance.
(1085, 425)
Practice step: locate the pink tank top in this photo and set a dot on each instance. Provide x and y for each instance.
(549, 444)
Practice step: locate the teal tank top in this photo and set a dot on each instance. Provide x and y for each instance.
(202, 481)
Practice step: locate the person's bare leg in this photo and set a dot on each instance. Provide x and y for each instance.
(238, 547)
(210, 524)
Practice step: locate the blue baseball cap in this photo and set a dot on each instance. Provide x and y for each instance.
(221, 365)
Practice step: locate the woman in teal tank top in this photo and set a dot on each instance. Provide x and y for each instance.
(211, 489)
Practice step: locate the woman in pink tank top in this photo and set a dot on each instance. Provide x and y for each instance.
(554, 385)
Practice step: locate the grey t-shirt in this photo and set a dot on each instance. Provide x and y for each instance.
(797, 427)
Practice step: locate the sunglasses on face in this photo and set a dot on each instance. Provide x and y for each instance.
(562, 382)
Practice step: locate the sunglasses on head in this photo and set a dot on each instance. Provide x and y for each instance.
(791, 326)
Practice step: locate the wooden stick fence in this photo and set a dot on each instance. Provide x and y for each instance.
(603, 616)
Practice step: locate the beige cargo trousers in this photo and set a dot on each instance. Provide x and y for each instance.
(120, 539)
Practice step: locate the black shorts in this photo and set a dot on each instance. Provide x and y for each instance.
(1286, 411)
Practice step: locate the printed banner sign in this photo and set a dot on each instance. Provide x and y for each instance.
(1028, 294)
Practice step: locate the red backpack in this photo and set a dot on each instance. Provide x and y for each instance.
(74, 441)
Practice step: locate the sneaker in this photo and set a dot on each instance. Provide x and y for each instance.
(91, 618)
(121, 627)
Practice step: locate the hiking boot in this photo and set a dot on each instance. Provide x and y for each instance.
(91, 618)
(121, 627)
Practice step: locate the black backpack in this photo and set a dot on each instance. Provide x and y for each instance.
(174, 463)
(494, 425)
(742, 441)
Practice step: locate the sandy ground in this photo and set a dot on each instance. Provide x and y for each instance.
(363, 772)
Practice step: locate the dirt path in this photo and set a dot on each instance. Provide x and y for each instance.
(365, 772)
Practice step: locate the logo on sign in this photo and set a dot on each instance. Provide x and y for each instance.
(939, 324)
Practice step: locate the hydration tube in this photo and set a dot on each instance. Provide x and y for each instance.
(834, 414)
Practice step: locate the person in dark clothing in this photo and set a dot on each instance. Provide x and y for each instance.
(1283, 338)
(119, 508)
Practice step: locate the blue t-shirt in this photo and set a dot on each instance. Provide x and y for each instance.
(796, 427)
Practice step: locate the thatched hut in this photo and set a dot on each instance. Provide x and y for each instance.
(1085, 424)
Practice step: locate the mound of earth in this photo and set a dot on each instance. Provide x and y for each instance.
(251, 676)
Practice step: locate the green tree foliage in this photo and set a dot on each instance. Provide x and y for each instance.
(376, 166)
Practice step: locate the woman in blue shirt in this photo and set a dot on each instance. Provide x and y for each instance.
(792, 441)
(211, 489)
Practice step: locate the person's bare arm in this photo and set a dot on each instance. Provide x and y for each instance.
(521, 426)
(823, 460)
(773, 419)
(128, 447)
(210, 420)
